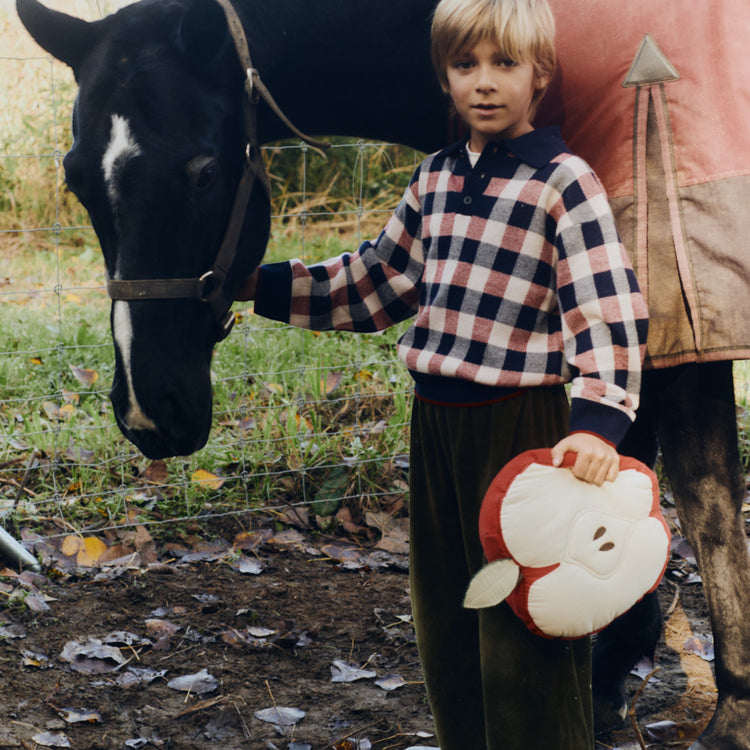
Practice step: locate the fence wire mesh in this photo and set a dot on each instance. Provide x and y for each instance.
(304, 422)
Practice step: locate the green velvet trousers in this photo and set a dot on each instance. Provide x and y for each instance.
(492, 685)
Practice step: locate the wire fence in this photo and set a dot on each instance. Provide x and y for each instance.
(306, 425)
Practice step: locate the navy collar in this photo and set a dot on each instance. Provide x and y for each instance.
(537, 148)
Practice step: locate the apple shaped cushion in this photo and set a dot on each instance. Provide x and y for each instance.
(568, 556)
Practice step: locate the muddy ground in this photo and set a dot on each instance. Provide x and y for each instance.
(263, 622)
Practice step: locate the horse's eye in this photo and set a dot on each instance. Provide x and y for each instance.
(202, 172)
(207, 176)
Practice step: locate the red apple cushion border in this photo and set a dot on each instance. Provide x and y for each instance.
(568, 556)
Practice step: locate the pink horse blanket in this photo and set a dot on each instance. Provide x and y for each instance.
(655, 95)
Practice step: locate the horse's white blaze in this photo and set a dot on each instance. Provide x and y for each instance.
(135, 419)
(122, 146)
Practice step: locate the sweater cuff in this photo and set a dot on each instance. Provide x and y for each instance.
(607, 422)
(273, 295)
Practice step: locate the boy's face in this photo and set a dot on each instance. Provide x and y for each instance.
(492, 94)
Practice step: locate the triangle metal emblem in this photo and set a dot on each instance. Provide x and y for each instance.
(650, 65)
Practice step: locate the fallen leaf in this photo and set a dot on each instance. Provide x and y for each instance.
(331, 382)
(248, 565)
(200, 683)
(85, 377)
(35, 602)
(70, 397)
(207, 479)
(156, 472)
(86, 550)
(51, 739)
(342, 671)
(342, 554)
(280, 715)
(125, 638)
(390, 682)
(661, 731)
(33, 659)
(92, 657)
(65, 412)
(137, 677)
(260, 632)
(12, 631)
(159, 628)
(79, 715)
(700, 645)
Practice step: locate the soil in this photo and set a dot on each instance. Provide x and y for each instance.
(268, 638)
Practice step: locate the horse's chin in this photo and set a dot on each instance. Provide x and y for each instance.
(167, 424)
(155, 445)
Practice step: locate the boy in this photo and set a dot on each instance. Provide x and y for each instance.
(505, 250)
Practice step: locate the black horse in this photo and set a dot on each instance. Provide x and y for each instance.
(160, 140)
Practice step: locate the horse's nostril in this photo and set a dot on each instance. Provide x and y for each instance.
(600, 532)
(607, 547)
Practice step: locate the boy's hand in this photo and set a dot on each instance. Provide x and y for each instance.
(248, 287)
(596, 460)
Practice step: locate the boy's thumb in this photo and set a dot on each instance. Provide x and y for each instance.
(558, 452)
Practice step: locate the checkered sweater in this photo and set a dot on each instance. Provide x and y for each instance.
(513, 271)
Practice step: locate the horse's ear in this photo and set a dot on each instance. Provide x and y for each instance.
(67, 38)
(203, 32)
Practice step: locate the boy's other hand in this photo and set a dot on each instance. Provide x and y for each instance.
(248, 287)
(596, 460)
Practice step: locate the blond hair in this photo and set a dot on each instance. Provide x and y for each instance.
(524, 30)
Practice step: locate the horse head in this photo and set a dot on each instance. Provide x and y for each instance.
(160, 157)
(159, 143)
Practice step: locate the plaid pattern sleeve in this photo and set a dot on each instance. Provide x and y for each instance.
(513, 270)
(370, 289)
(604, 319)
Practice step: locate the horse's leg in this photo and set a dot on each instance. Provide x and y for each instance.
(634, 635)
(698, 434)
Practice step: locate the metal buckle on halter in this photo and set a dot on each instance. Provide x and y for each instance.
(205, 289)
(226, 325)
(205, 293)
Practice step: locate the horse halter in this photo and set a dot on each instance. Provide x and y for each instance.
(209, 287)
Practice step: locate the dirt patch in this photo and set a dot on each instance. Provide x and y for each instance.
(268, 638)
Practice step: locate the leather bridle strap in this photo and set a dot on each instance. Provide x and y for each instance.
(209, 287)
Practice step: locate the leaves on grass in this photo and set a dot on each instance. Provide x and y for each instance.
(156, 472)
(331, 382)
(84, 376)
(207, 479)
